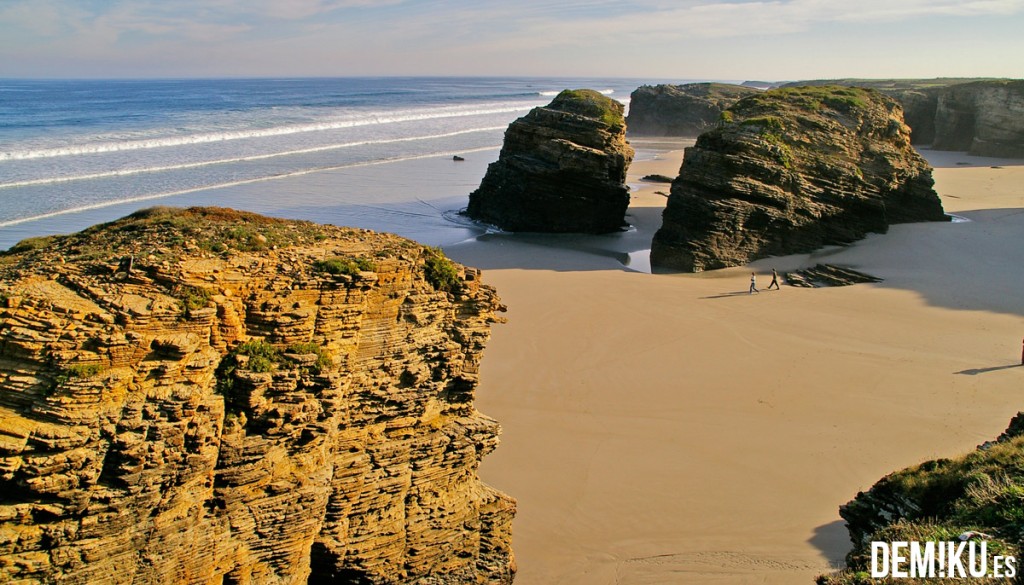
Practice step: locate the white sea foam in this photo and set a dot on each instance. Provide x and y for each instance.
(151, 197)
(129, 172)
(371, 118)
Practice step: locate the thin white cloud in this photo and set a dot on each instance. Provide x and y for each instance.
(726, 19)
(406, 36)
(291, 9)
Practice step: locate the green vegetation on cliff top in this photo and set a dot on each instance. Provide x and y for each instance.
(811, 98)
(892, 84)
(706, 89)
(169, 234)
(778, 116)
(589, 103)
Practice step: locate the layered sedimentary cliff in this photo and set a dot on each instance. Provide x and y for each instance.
(208, 396)
(562, 168)
(941, 500)
(681, 110)
(984, 118)
(791, 170)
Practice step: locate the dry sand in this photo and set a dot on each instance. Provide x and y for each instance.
(674, 429)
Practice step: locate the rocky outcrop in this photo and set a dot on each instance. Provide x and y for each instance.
(978, 493)
(209, 396)
(562, 169)
(827, 275)
(791, 170)
(681, 110)
(984, 117)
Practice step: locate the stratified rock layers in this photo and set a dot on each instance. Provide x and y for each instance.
(984, 118)
(562, 168)
(142, 442)
(681, 110)
(789, 171)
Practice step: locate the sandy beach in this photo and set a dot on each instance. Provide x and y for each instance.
(674, 429)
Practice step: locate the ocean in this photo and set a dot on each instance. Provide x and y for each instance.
(374, 153)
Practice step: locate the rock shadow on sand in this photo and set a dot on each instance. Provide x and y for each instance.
(833, 541)
(626, 250)
(976, 371)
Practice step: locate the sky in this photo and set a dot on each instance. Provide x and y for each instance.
(662, 39)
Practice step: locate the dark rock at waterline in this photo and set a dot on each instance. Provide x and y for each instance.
(657, 178)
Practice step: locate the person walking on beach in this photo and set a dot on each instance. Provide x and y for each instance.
(775, 281)
(753, 284)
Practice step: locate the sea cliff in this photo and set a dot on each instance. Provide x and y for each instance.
(211, 396)
(984, 117)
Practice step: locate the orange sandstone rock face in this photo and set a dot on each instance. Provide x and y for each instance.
(253, 401)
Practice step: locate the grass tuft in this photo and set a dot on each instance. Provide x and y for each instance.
(441, 272)
(348, 266)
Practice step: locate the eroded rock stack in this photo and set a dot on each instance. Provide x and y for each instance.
(791, 170)
(562, 168)
(208, 396)
(681, 110)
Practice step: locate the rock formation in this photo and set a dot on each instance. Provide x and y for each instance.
(210, 396)
(984, 118)
(827, 275)
(981, 117)
(939, 501)
(791, 170)
(681, 110)
(562, 169)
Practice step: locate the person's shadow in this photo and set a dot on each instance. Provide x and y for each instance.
(727, 295)
(976, 371)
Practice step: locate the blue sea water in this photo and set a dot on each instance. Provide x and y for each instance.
(366, 152)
